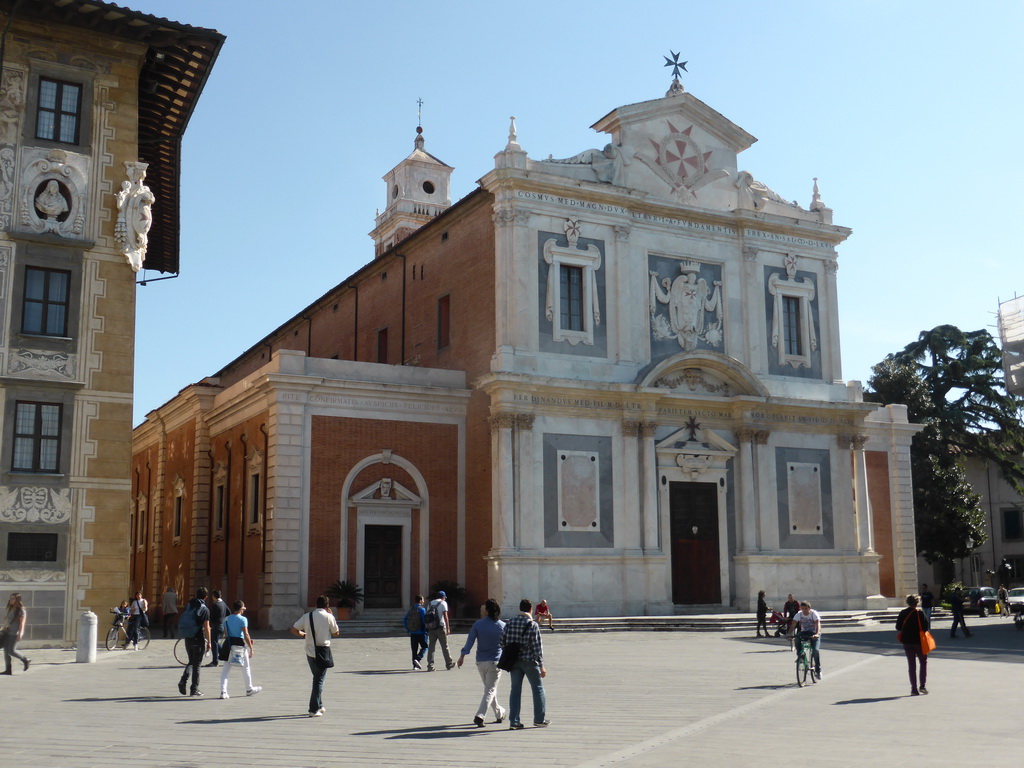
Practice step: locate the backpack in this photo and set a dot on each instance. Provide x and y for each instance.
(412, 620)
(188, 624)
(433, 618)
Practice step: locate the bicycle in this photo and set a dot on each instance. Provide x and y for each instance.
(118, 632)
(181, 655)
(804, 659)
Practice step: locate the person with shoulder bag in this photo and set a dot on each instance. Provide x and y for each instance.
(317, 627)
(912, 630)
(138, 608)
(239, 648)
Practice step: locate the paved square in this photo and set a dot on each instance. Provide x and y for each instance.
(615, 699)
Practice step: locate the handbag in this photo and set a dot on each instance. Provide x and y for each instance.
(927, 642)
(509, 657)
(324, 659)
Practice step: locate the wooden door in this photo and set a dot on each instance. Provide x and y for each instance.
(382, 566)
(693, 510)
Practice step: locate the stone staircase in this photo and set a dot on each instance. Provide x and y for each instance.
(387, 622)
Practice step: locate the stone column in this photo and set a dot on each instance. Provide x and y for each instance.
(746, 507)
(502, 482)
(528, 530)
(865, 532)
(633, 487)
(767, 505)
(649, 482)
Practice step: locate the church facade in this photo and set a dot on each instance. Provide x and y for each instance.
(611, 380)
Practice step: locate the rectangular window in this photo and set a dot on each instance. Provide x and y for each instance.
(254, 499)
(1012, 529)
(444, 319)
(571, 296)
(218, 509)
(382, 345)
(32, 547)
(45, 308)
(59, 111)
(791, 325)
(177, 517)
(37, 437)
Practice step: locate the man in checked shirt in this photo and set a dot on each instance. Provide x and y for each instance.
(522, 630)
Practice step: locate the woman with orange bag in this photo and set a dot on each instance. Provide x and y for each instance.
(912, 631)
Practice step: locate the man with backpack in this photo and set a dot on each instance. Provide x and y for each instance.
(438, 629)
(194, 629)
(415, 624)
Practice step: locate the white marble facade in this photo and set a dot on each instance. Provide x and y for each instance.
(688, 440)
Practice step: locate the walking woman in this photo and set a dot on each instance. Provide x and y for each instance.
(911, 623)
(11, 631)
(139, 607)
(236, 628)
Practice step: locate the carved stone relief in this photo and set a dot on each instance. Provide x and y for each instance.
(608, 164)
(37, 364)
(694, 380)
(34, 504)
(33, 577)
(681, 163)
(134, 215)
(54, 192)
(12, 104)
(688, 298)
(6, 187)
(5, 264)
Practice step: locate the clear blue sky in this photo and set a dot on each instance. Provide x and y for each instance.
(908, 113)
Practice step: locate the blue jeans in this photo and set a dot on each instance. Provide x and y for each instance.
(531, 671)
(316, 702)
(815, 648)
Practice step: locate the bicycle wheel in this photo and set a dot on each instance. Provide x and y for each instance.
(112, 639)
(144, 638)
(802, 668)
(180, 654)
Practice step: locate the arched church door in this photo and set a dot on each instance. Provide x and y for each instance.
(696, 574)
(382, 566)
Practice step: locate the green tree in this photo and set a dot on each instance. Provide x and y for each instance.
(952, 383)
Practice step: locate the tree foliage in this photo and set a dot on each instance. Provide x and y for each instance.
(952, 383)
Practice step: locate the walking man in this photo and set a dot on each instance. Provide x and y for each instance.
(218, 614)
(522, 631)
(194, 628)
(414, 622)
(170, 611)
(317, 627)
(438, 628)
(957, 606)
(927, 602)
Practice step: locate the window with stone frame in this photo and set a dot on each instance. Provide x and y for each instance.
(1013, 530)
(32, 547)
(571, 302)
(219, 498)
(571, 297)
(178, 521)
(141, 521)
(37, 437)
(45, 302)
(792, 334)
(58, 111)
(254, 492)
(791, 326)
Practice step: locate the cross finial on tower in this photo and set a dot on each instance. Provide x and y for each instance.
(419, 113)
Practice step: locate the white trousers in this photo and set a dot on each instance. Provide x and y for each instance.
(237, 651)
(489, 674)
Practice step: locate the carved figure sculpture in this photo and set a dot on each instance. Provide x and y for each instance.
(135, 215)
(51, 203)
(607, 163)
(385, 488)
(688, 298)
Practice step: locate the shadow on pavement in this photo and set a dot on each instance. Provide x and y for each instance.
(870, 701)
(429, 732)
(229, 720)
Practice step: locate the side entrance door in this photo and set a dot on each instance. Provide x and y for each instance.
(693, 510)
(382, 566)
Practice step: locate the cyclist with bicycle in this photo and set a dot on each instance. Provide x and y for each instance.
(808, 625)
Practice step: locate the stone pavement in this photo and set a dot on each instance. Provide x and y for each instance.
(637, 699)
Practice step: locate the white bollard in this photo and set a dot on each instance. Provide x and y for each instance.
(86, 638)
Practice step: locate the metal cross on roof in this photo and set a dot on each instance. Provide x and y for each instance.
(419, 112)
(675, 63)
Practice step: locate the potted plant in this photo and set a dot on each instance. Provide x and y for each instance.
(455, 591)
(348, 594)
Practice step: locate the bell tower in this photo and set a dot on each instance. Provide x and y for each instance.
(418, 189)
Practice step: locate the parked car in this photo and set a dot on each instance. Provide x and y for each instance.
(1015, 598)
(980, 600)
